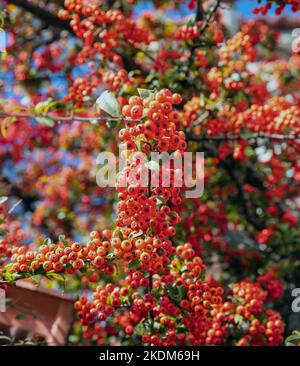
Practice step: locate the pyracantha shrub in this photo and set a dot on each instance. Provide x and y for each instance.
(146, 264)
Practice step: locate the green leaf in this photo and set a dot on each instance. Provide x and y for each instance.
(40, 107)
(135, 234)
(136, 263)
(36, 280)
(146, 93)
(160, 200)
(4, 124)
(45, 121)
(202, 276)
(289, 344)
(3, 199)
(238, 319)
(4, 338)
(55, 276)
(109, 104)
(146, 274)
(155, 293)
(112, 123)
(47, 241)
(176, 292)
(62, 238)
(181, 291)
(293, 339)
(172, 290)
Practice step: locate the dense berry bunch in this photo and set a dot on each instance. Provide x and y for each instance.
(174, 295)
(161, 280)
(102, 31)
(84, 19)
(64, 256)
(138, 207)
(250, 297)
(145, 280)
(245, 311)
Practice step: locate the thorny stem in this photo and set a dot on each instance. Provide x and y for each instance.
(190, 137)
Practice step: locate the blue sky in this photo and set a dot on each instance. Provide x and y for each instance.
(244, 7)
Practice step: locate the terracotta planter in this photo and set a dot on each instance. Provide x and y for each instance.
(36, 311)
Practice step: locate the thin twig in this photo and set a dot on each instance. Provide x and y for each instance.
(209, 17)
(190, 137)
(241, 197)
(199, 11)
(256, 136)
(70, 118)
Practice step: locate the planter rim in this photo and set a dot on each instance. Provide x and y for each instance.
(28, 285)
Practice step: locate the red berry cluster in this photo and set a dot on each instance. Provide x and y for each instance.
(250, 298)
(245, 310)
(280, 6)
(63, 256)
(166, 284)
(115, 80)
(160, 282)
(11, 234)
(80, 91)
(138, 207)
(186, 33)
(86, 18)
(270, 282)
(267, 333)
